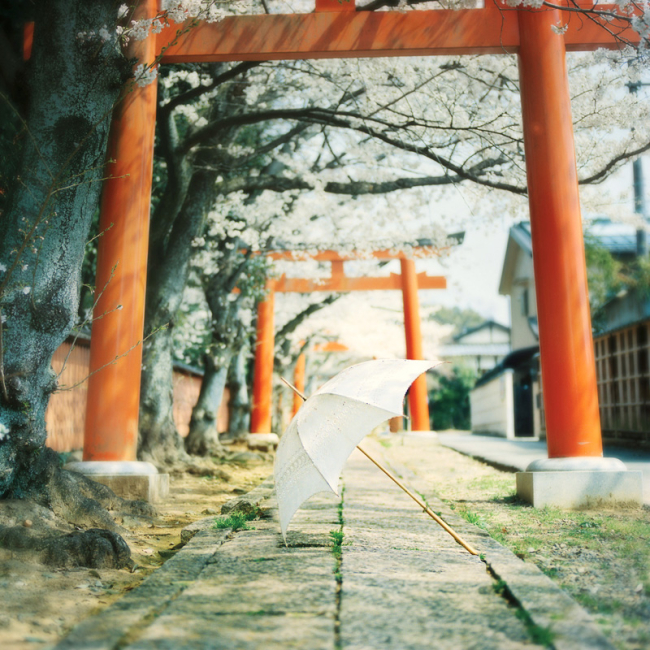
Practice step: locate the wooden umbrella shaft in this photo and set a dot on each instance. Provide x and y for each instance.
(423, 505)
(397, 482)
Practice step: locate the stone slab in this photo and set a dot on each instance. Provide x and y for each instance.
(258, 630)
(254, 593)
(580, 489)
(548, 606)
(407, 584)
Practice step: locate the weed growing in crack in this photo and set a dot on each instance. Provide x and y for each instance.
(499, 587)
(472, 517)
(540, 635)
(337, 551)
(337, 538)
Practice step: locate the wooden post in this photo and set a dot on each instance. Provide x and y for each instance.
(263, 377)
(111, 432)
(298, 382)
(418, 398)
(566, 347)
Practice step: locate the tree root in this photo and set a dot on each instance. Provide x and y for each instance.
(95, 548)
(50, 501)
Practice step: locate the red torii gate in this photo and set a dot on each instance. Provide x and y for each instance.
(335, 31)
(408, 281)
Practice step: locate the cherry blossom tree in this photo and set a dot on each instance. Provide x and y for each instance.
(396, 129)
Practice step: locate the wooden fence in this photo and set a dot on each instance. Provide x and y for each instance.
(623, 370)
(65, 417)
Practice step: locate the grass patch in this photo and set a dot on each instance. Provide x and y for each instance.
(236, 521)
(473, 517)
(599, 605)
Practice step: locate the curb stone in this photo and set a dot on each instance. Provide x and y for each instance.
(114, 625)
(248, 502)
(547, 604)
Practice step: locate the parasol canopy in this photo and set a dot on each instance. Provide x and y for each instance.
(332, 422)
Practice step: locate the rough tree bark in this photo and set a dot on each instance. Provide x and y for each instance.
(239, 407)
(203, 437)
(74, 83)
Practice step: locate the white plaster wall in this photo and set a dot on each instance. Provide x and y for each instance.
(492, 407)
(524, 278)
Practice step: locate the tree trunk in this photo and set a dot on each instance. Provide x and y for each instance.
(74, 84)
(203, 438)
(160, 442)
(169, 267)
(239, 408)
(75, 81)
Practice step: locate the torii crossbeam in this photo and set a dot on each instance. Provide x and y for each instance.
(571, 403)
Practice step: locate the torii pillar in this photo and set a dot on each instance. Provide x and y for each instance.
(263, 373)
(566, 345)
(418, 397)
(299, 381)
(111, 433)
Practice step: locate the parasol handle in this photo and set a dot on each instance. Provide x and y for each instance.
(397, 482)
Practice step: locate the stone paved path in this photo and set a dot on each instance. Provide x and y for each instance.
(399, 582)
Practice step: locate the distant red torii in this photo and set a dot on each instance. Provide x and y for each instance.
(408, 281)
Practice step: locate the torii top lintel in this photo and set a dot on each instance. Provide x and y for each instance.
(338, 256)
(349, 34)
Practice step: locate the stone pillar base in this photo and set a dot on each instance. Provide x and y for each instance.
(263, 441)
(128, 479)
(421, 434)
(576, 483)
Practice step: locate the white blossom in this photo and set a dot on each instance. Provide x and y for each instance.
(144, 75)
